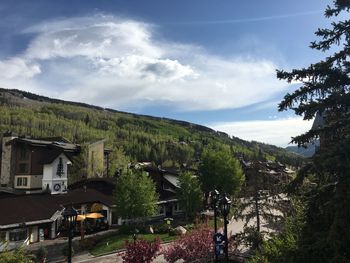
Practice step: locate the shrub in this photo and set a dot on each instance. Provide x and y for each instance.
(87, 244)
(126, 229)
(16, 256)
(161, 229)
(140, 251)
(41, 254)
(196, 245)
(65, 250)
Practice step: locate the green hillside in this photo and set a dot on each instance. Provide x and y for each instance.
(131, 137)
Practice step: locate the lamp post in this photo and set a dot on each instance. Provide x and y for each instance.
(214, 202)
(225, 204)
(70, 215)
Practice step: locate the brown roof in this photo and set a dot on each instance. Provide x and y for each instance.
(46, 143)
(103, 185)
(27, 208)
(35, 207)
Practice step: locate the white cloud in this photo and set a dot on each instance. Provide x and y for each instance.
(277, 132)
(120, 62)
(18, 68)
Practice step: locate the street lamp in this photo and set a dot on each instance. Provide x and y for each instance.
(214, 202)
(70, 215)
(225, 205)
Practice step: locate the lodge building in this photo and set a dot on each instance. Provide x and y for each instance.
(35, 188)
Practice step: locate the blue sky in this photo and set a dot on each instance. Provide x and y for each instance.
(208, 62)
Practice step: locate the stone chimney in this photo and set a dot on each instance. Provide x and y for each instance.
(7, 160)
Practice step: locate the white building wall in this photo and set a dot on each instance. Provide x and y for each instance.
(57, 184)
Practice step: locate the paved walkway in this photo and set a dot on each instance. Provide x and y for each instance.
(110, 258)
(234, 227)
(87, 258)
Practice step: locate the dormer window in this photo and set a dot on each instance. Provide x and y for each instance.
(60, 170)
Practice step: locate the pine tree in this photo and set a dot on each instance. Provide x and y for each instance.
(325, 91)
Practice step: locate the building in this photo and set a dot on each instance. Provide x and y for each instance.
(33, 165)
(34, 186)
(30, 218)
(167, 183)
(267, 175)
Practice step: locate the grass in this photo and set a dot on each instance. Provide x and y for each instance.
(112, 243)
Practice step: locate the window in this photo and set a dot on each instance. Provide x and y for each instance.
(22, 181)
(60, 167)
(19, 181)
(18, 235)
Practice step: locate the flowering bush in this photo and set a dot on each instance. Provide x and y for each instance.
(140, 251)
(194, 246)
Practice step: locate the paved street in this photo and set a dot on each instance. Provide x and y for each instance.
(110, 258)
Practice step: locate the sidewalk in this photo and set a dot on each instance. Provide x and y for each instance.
(55, 246)
(109, 258)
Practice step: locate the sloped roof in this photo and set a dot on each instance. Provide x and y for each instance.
(46, 143)
(173, 179)
(50, 156)
(37, 207)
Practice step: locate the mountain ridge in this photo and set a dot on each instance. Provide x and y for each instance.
(139, 137)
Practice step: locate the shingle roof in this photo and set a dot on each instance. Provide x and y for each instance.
(35, 207)
(46, 143)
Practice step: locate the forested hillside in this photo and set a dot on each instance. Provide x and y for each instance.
(131, 137)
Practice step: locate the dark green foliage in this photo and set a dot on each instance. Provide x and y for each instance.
(131, 137)
(220, 170)
(87, 243)
(135, 196)
(282, 247)
(41, 253)
(16, 256)
(190, 194)
(326, 90)
(65, 250)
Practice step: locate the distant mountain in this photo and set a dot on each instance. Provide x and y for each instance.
(307, 152)
(131, 137)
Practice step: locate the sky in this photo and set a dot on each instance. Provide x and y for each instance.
(204, 61)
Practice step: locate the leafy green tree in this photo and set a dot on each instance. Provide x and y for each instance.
(118, 161)
(220, 170)
(135, 195)
(325, 91)
(78, 170)
(190, 194)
